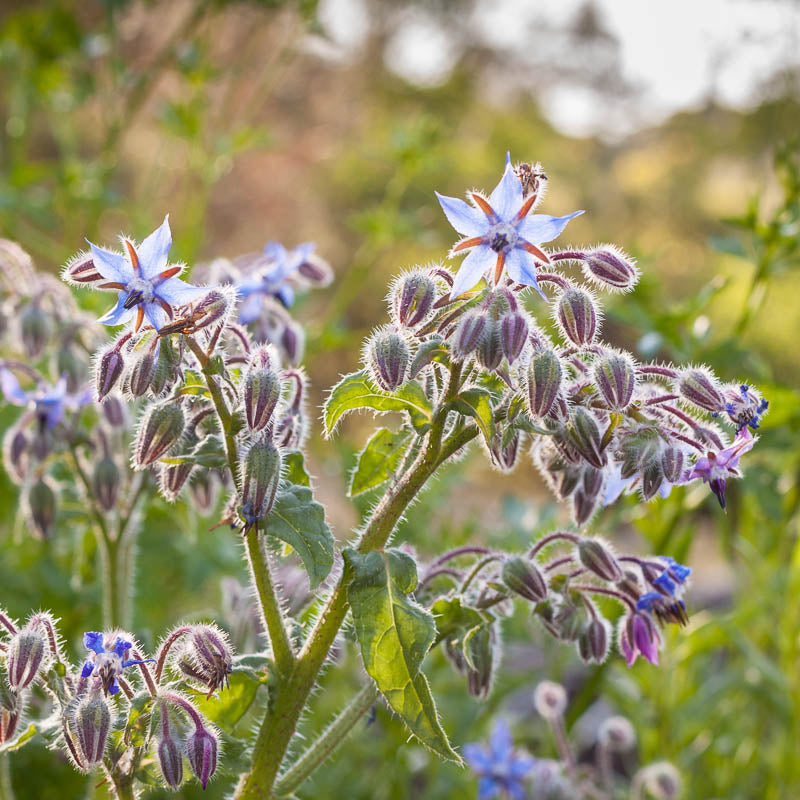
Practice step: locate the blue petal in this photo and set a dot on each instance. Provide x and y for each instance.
(615, 486)
(521, 765)
(648, 600)
(178, 293)
(521, 267)
(154, 250)
(121, 646)
(119, 314)
(275, 251)
(540, 228)
(93, 640)
(477, 757)
(665, 582)
(112, 266)
(488, 788)
(473, 268)
(286, 295)
(500, 741)
(87, 670)
(113, 687)
(132, 662)
(55, 412)
(516, 790)
(250, 310)
(467, 220)
(506, 199)
(156, 315)
(11, 389)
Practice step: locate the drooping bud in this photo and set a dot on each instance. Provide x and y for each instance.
(587, 495)
(673, 462)
(387, 356)
(211, 657)
(11, 708)
(25, 657)
(479, 655)
(514, 329)
(169, 752)
(469, 333)
(699, 386)
(204, 489)
(615, 377)
(586, 437)
(172, 478)
(576, 314)
(69, 366)
(165, 367)
(543, 381)
(16, 458)
(160, 429)
(611, 268)
(593, 643)
(293, 341)
(114, 411)
(412, 298)
(616, 734)
(316, 270)
(524, 578)
(141, 370)
(261, 390)
(639, 448)
(652, 478)
(91, 722)
(490, 348)
(34, 328)
(210, 309)
(550, 699)
(42, 506)
(661, 780)
(105, 482)
(261, 472)
(81, 270)
(504, 451)
(597, 557)
(201, 750)
(108, 369)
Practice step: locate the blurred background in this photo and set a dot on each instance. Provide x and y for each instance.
(672, 124)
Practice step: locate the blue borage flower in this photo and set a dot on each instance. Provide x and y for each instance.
(745, 408)
(107, 661)
(499, 233)
(499, 767)
(49, 403)
(666, 603)
(148, 288)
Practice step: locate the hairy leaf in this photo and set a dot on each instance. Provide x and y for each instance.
(477, 403)
(378, 460)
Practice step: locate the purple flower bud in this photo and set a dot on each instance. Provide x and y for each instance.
(577, 315)
(673, 463)
(615, 377)
(261, 390)
(91, 722)
(210, 657)
(504, 456)
(201, 750)
(42, 506)
(611, 268)
(638, 636)
(652, 478)
(204, 489)
(26, 656)
(316, 270)
(290, 430)
(81, 270)
(169, 752)
(490, 348)
(34, 329)
(261, 473)
(210, 309)
(543, 381)
(105, 482)
(524, 578)
(108, 369)
(699, 386)
(293, 341)
(586, 437)
(597, 557)
(584, 505)
(514, 329)
(172, 478)
(11, 708)
(114, 411)
(141, 370)
(593, 643)
(469, 333)
(412, 298)
(16, 455)
(166, 366)
(387, 357)
(160, 429)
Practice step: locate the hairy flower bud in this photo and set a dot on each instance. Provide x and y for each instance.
(514, 329)
(141, 370)
(610, 268)
(160, 429)
(524, 578)
(201, 750)
(114, 411)
(172, 478)
(261, 390)
(210, 309)
(490, 348)
(105, 482)
(586, 437)
(699, 386)
(597, 557)
(615, 377)
(387, 356)
(616, 734)
(638, 448)
(316, 270)
(108, 369)
(469, 333)
(210, 657)
(169, 753)
(34, 329)
(16, 457)
(261, 472)
(652, 478)
(25, 656)
(81, 270)
(479, 654)
(204, 489)
(543, 381)
(576, 314)
(70, 367)
(673, 461)
(412, 298)
(165, 367)
(504, 456)
(42, 506)
(11, 708)
(91, 722)
(550, 699)
(594, 642)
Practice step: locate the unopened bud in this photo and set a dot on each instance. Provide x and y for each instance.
(201, 750)
(172, 479)
(290, 430)
(141, 370)
(91, 722)
(114, 411)
(412, 298)
(652, 478)
(543, 381)
(661, 780)
(42, 506)
(480, 661)
(260, 394)
(105, 482)
(583, 506)
(261, 472)
(387, 356)
(673, 463)
(293, 341)
(615, 377)
(160, 429)
(524, 578)
(504, 451)
(638, 449)
(597, 557)
(25, 656)
(490, 349)
(550, 699)
(204, 489)
(469, 333)
(514, 329)
(593, 643)
(34, 327)
(11, 708)
(316, 270)
(170, 753)
(108, 369)
(210, 309)
(586, 437)
(616, 734)
(700, 387)
(211, 656)
(611, 268)
(165, 367)
(16, 454)
(577, 316)
(71, 367)
(81, 270)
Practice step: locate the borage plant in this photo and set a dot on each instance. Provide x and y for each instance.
(222, 402)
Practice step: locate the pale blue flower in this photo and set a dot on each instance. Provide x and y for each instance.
(499, 767)
(48, 403)
(500, 234)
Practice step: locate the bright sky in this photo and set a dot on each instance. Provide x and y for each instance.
(676, 52)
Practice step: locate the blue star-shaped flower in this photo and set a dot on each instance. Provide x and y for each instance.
(499, 767)
(147, 287)
(48, 402)
(500, 232)
(107, 663)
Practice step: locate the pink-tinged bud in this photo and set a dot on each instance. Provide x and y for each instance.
(490, 348)
(114, 411)
(160, 429)
(673, 463)
(543, 381)
(700, 387)
(550, 699)
(11, 708)
(16, 454)
(210, 658)
(293, 341)
(172, 478)
(514, 330)
(316, 271)
(42, 507)
(261, 473)
(265, 357)
(170, 753)
(638, 636)
(261, 391)
(615, 377)
(576, 314)
(201, 750)
(412, 298)
(597, 557)
(594, 642)
(524, 578)
(108, 369)
(504, 456)
(290, 430)
(469, 333)
(611, 268)
(91, 722)
(81, 270)
(34, 329)
(25, 657)
(105, 483)
(141, 371)
(387, 358)
(586, 437)
(210, 309)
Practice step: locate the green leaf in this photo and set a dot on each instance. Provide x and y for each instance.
(294, 467)
(432, 350)
(394, 634)
(20, 740)
(477, 403)
(454, 620)
(356, 391)
(297, 519)
(140, 715)
(378, 460)
(210, 452)
(230, 706)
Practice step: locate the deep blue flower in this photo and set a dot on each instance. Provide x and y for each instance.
(48, 403)
(745, 407)
(679, 572)
(147, 287)
(107, 660)
(500, 233)
(663, 608)
(499, 767)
